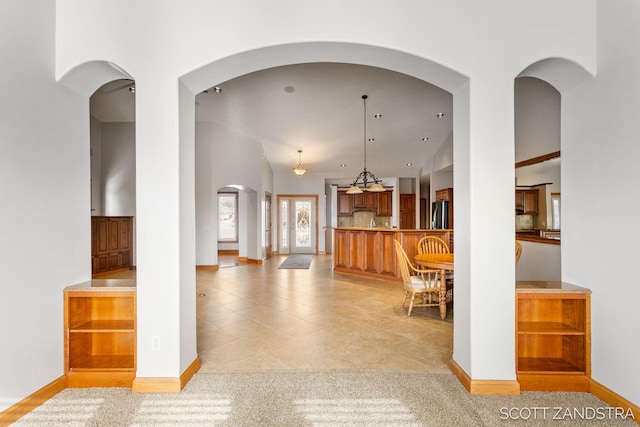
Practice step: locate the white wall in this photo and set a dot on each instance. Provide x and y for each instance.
(118, 168)
(539, 261)
(600, 153)
(537, 118)
(95, 141)
(226, 158)
(485, 45)
(475, 50)
(45, 201)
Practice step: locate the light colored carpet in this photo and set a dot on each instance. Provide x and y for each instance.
(299, 261)
(315, 399)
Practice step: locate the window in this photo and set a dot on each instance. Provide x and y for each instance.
(227, 217)
(555, 210)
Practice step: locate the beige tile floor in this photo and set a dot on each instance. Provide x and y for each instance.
(258, 318)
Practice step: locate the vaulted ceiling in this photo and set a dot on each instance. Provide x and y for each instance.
(318, 108)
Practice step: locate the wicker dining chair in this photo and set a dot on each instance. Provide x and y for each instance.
(424, 283)
(435, 245)
(518, 251)
(432, 245)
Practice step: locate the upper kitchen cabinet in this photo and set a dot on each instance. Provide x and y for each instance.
(527, 202)
(385, 203)
(380, 203)
(366, 201)
(344, 204)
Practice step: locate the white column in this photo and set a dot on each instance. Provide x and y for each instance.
(165, 229)
(484, 342)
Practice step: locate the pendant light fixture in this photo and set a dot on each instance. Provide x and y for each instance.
(365, 176)
(299, 170)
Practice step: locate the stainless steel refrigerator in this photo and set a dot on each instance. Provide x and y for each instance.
(440, 215)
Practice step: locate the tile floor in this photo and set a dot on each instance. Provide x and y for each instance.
(258, 318)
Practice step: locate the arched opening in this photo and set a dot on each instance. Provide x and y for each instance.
(113, 190)
(213, 141)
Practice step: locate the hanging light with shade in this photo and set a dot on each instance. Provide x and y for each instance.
(365, 176)
(299, 170)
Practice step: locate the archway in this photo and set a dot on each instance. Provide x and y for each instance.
(219, 72)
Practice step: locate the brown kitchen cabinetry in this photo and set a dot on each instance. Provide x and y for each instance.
(527, 202)
(446, 195)
(111, 243)
(381, 203)
(99, 336)
(407, 211)
(385, 203)
(344, 204)
(365, 201)
(553, 340)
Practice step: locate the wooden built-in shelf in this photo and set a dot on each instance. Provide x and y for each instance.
(100, 337)
(553, 337)
(548, 328)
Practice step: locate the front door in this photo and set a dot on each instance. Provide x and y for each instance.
(298, 225)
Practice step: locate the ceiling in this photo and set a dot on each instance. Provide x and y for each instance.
(318, 108)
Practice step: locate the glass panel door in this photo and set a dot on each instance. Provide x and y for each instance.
(297, 228)
(303, 228)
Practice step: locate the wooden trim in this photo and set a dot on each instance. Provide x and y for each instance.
(29, 403)
(377, 276)
(462, 376)
(539, 159)
(207, 267)
(253, 261)
(501, 387)
(166, 384)
(189, 372)
(243, 259)
(228, 251)
(614, 399)
(156, 385)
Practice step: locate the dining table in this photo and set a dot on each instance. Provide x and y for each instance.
(444, 263)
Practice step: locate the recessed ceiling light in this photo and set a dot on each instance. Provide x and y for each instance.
(289, 89)
(371, 139)
(343, 165)
(377, 116)
(217, 89)
(409, 164)
(132, 89)
(440, 115)
(425, 138)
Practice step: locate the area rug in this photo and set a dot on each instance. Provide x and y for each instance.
(302, 261)
(326, 399)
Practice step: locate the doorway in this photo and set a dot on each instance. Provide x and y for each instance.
(297, 224)
(267, 225)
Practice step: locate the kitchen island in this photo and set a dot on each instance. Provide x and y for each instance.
(370, 251)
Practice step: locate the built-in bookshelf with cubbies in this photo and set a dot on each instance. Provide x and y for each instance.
(100, 337)
(553, 340)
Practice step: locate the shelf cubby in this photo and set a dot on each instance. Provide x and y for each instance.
(553, 341)
(100, 338)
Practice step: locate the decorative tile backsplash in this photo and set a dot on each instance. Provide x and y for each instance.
(363, 219)
(524, 222)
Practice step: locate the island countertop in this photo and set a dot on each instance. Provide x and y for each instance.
(393, 230)
(370, 252)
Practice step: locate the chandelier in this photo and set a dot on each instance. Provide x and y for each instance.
(365, 176)
(299, 170)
